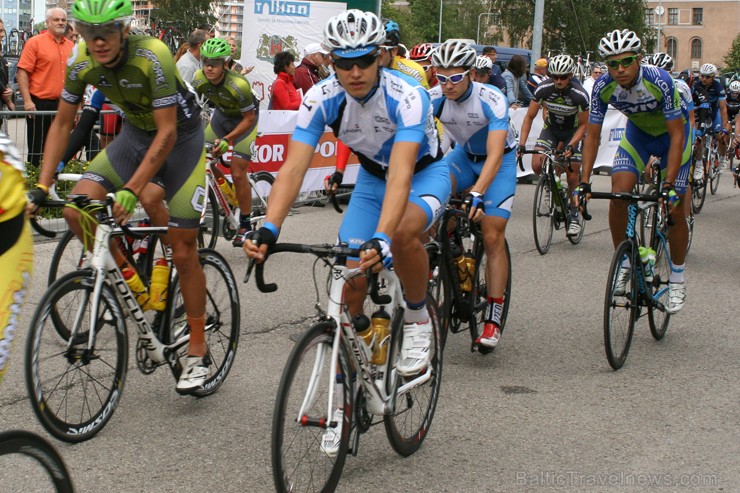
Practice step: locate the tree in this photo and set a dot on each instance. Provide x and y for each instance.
(185, 14)
(732, 59)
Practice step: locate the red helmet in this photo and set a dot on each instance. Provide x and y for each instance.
(421, 51)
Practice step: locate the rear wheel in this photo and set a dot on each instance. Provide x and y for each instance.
(479, 296)
(69, 256)
(714, 176)
(209, 225)
(543, 215)
(619, 308)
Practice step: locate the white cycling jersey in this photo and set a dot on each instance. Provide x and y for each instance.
(397, 110)
(469, 119)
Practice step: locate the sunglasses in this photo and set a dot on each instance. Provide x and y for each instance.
(455, 79)
(362, 62)
(92, 32)
(706, 76)
(624, 62)
(213, 62)
(560, 77)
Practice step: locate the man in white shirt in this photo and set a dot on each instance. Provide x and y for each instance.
(588, 84)
(190, 61)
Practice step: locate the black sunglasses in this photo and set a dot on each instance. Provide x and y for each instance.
(362, 62)
(560, 76)
(624, 62)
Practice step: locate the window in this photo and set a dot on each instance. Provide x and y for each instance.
(673, 17)
(697, 17)
(672, 47)
(696, 48)
(649, 18)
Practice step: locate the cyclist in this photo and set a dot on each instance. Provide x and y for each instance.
(733, 114)
(656, 125)
(402, 186)
(476, 116)
(234, 120)
(422, 54)
(567, 105)
(482, 73)
(16, 246)
(389, 55)
(718, 108)
(702, 121)
(158, 152)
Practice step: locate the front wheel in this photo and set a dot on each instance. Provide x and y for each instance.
(699, 191)
(260, 191)
(657, 315)
(303, 414)
(209, 224)
(409, 422)
(543, 215)
(74, 388)
(620, 306)
(20, 476)
(479, 294)
(714, 176)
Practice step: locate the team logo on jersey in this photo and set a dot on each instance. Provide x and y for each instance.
(103, 82)
(271, 45)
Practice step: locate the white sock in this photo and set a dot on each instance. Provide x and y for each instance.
(415, 316)
(677, 273)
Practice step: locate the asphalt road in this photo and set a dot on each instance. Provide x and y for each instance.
(545, 412)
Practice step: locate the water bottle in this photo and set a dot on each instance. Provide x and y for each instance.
(561, 191)
(140, 246)
(159, 285)
(365, 332)
(381, 321)
(470, 267)
(461, 262)
(647, 257)
(227, 190)
(134, 283)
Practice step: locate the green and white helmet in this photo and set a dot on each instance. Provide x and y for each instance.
(102, 11)
(215, 48)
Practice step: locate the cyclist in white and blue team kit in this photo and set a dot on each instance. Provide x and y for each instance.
(386, 119)
(657, 125)
(477, 118)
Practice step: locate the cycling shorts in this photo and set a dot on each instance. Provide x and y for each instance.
(499, 198)
(222, 125)
(717, 122)
(17, 267)
(430, 190)
(182, 175)
(636, 147)
(550, 138)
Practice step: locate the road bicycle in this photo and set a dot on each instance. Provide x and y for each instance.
(551, 210)
(77, 345)
(330, 369)
(645, 288)
(22, 475)
(219, 207)
(457, 275)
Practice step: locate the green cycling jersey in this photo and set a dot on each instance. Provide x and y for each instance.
(145, 79)
(233, 95)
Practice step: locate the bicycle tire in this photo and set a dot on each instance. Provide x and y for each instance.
(209, 227)
(440, 288)
(479, 298)
(577, 238)
(33, 446)
(658, 318)
(699, 193)
(298, 463)
(409, 423)
(222, 319)
(621, 309)
(714, 182)
(68, 256)
(690, 223)
(69, 374)
(648, 217)
(263, 182)
(543, 215)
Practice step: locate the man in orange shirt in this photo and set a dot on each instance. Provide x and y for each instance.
(41, 72)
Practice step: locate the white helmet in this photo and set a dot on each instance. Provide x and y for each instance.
(735, 86)
(662, 60)
(618, 42)
(454, 54)
(353, 33)
(483, 63)
(561, 65)
(707, 69)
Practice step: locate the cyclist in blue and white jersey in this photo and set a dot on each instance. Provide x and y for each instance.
(657, 125)
(718, 107)
(476, 116)
(386, 118)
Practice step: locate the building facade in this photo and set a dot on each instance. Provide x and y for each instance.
(16, 14)
(694, 33)
(230, 19)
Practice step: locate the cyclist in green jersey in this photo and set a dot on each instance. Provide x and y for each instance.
(158, 153)
(234, 120)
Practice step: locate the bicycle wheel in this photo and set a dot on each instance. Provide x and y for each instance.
(577, 238)
(543, 215)
(698, 193)
(69, 256)
(75, 390)
(222, 319)
(714, 176)
(440, 288)
(407, 426)
(25, 475)
(690, 222)
(479, 298)
(649, 215)
(209, 225)
(619, 309)
(658, 318)
(302, 411)
(260, 191)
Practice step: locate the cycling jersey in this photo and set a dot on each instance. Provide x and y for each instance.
(648, 104)
(145, 79)
(12, 180)
(687, 99)
(562, 106)
(233, 95)
(733, 105)
(715, 93)
(412, 69)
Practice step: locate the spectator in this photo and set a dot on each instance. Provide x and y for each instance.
(596, 72)
(71, 34)
(232, 64)
(307, 73)
(539, 74)
(490, 52)
(41, 72)
(209, 29)
(181, 51)
(190, 61)
(515, 76)
(6, 93)
(284, 95)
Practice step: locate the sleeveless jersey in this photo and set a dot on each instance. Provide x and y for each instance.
(562, 106)
(233, 96)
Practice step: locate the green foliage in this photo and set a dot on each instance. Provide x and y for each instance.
(732, 59)
(185, 14)
(62, 188)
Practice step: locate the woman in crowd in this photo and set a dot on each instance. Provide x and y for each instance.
(284, 95)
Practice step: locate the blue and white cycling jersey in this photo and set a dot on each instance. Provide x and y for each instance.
(468, 120)
(398, 110)
(687, 99)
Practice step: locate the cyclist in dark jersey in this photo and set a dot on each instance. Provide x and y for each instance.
(718, 107)
(158, 152)
(567, 105)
